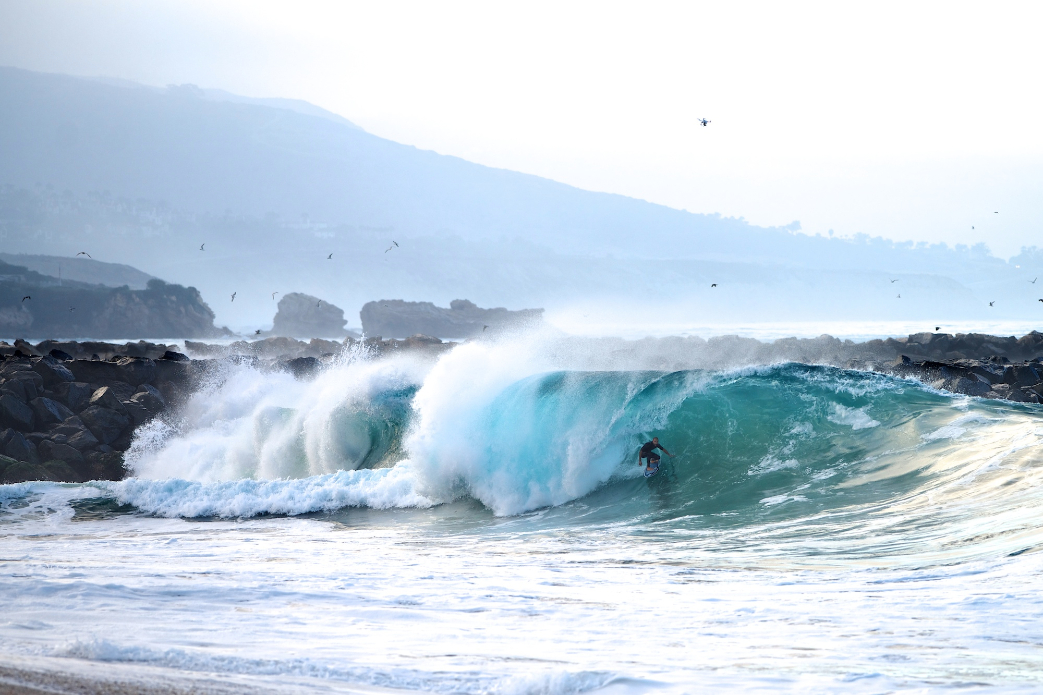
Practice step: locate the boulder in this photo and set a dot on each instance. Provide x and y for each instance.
(96, 372)
(52, 371)
(82, 440)
(16, 414)
(23, 472)
(19, 448)
(302, 367)
(60, 355)
(49, 412)
(105, 466)
(139, 414)
(31, 383)
(104, 423)
(137, 370)
(150, 398)
(106, 398)
(63, 452)
(75, 394)
(62, 471)
(5, 461)
(15, 388)
(175, 356)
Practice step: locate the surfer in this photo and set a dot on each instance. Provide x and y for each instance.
(648, 452)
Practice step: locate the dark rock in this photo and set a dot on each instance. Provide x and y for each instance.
(150, 398)
(302, 367)
(83, 440)
(122, 442)
(16, 389)
(902, 360)
(19, 448)
(175, 356)
(966, 386)
(63, 471)
(24, 472)
(137, 370)
(138, 413)
(49, 412)
(30, 382)
(106, 466)
(104, 423)
(16, 414)
(52, 371)
(463, 319)
(5, 461)
(106, 398)
(49, 450)
(61, 355)
(75, 394)
(93, 372)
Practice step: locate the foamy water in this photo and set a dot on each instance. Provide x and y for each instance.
(478, 523)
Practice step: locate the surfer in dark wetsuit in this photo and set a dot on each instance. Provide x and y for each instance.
(648, 452)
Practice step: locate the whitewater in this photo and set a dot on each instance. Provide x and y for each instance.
(477, 522)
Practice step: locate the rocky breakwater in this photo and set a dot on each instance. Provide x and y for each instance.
(69, 420)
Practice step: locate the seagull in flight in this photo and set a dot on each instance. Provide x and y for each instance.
(72, 308)
(937, 328)
(28, 297)
(992, 302)
(899, 296)
(233, 295)
(257, 332)
(201, 246)
(84, 253)
(713, 284)
(320, 302)
(273, 295)
(702, 122)
(483, 328)
(895, 280)
(1033, 280)
(394, 244)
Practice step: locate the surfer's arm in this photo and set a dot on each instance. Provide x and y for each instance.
(666, 452)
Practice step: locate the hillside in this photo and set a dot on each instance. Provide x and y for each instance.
(146, 176)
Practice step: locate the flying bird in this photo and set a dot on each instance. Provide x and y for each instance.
(394, 244)
(899, 296)
(273, 295)
(937, 328)
(201, 246)
(992, 302)
(233, 295)
(72, 308)
(1041, 300)
(713, 284)
(257, 332)
(320, 302)
(28, 297)
(703, 121)
(329, 257)
(972, 226)
(483, 328)
(895, 280)
(1033, 280)
(84, 253)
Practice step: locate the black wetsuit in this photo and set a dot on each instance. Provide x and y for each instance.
(648, 452)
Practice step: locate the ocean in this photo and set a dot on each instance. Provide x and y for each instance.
(478, 523)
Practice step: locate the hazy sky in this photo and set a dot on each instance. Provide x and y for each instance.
(907, 120)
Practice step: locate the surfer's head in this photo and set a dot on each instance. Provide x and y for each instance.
(655, 440)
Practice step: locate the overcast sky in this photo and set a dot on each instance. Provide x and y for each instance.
(907, 120)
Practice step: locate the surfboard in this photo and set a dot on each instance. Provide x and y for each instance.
(650, 473)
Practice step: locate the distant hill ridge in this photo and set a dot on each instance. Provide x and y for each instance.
(81, 269)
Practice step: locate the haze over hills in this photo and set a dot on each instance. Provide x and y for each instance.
(145, 176)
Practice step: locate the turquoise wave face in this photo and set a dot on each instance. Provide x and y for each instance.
(781, 461)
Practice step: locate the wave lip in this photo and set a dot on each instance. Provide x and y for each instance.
(383, 488)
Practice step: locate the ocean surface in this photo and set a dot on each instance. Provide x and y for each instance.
(478, 523)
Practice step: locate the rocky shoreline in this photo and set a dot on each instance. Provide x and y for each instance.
(69, 410)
